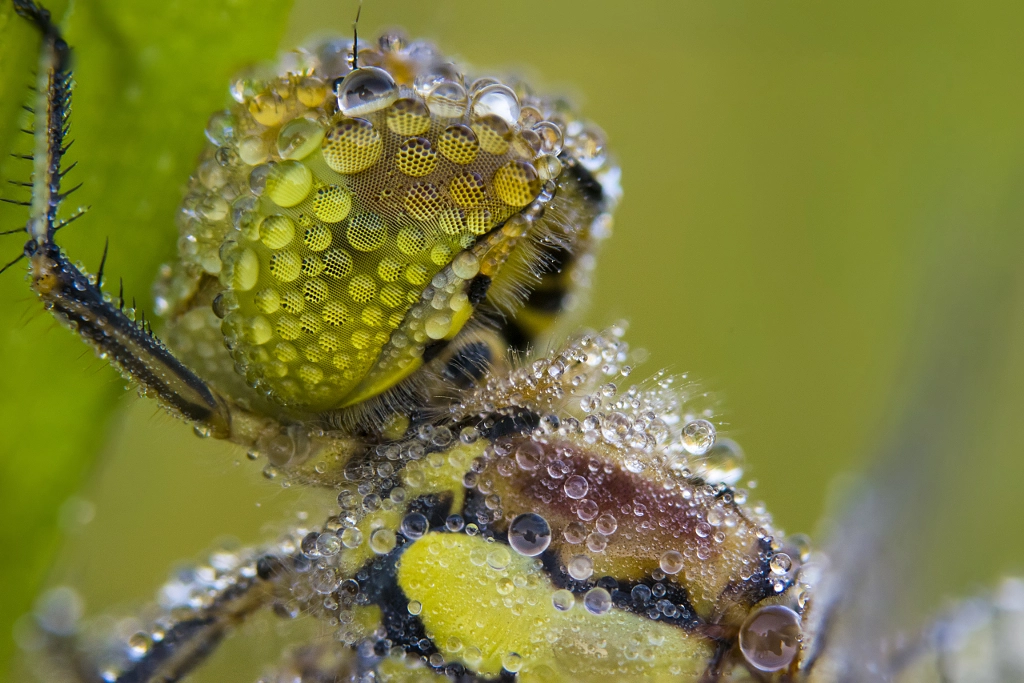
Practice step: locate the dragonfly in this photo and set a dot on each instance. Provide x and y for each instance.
(372, 247)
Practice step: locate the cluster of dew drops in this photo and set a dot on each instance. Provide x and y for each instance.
(648, 425)
(574, 391)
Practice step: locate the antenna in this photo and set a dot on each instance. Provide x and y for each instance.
(355, 37)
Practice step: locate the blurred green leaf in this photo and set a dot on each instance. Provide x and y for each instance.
(148, 76)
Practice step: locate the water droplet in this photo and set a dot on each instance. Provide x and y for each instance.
(615, 427)
(549, 423)
(550, 138)
(581, 567)
(473, 655)
(529, 534)
(415, 607)
(671, 562)
(563, 600)
(499, 558)
(770, 638)
(447, 99)
(511, 662)
(139, 644)
(414, 525)
(351, 537)
(454, 523)
(221, 128)
(504, 586)
(496, 100)
(576, 487)
(607, 524)
(528, 456)
(382, 541)
(328, 544)
(802, 544)
(366, 90)
(780, 563)
(325, 581)
(574, 533)
(466, 265)
(597, 601)
(548, 167)
(438, 325)
(299, 138)
(634, 464)
(641, 594)
(698, 437)
(587, 510)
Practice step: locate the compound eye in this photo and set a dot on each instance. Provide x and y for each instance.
(770, 638)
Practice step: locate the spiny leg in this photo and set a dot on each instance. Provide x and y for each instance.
(73, 297)
(202, 608)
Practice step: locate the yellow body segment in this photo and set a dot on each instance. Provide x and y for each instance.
(494, 609)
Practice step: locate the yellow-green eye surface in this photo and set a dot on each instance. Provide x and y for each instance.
(345, 231)
(325, 222)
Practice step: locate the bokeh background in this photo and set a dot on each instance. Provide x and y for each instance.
(795, 174)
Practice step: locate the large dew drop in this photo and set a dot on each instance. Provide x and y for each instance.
(671, 562)
(576, 487)
(497, 100)
(581, 567)
(563, 600)
(529, 534)
(366, 90)
(698, 437)
(382, 541)
(597, 601)
(414, 525)
(770, 638)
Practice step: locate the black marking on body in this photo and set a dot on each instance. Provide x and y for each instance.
(515, 337)
(518, 421)
(477, 290)
(653, 604)
(433, 348)
(760, 585)
(474, 511)
(547, 300)
(435, 507)
(468, 365)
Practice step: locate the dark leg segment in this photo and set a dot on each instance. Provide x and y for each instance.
(73, 297)
(183, 637)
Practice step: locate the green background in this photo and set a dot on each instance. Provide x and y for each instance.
(791, 171)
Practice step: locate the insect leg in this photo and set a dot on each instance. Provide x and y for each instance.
(182, 637)
(72, 296)
(321, 663)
